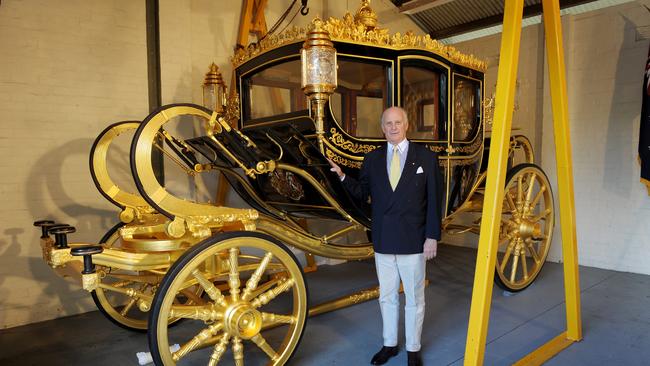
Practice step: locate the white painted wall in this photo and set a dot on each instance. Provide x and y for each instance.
(605, 58)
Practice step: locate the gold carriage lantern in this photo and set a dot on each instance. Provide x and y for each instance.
(214, 90)
(318, 58)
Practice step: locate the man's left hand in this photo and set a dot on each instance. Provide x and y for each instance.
(430, 248)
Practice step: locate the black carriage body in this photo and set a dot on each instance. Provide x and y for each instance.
(444, 102)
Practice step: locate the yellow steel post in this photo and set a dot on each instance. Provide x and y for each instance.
(554, 47)
(494, 187)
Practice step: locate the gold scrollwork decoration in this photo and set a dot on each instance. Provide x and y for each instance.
(339, 160)
(436, 148)
(362, 29)
(471, 147)
(461, 162)
(338, 140)
(232, 109)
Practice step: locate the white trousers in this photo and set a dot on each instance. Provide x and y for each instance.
(410, 268)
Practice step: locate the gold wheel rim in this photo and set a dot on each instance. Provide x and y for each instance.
(237, 320)
(122, 315)
(526, 228)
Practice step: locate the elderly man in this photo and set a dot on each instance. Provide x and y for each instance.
(403, 180)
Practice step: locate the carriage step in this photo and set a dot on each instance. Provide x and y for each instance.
(61, 232)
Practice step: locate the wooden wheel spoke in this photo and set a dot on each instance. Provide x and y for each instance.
(233, 275)
(513, 269)
(205, 313)
(506, 257)
(538, 196)
(270, 319)
(253, 281)
(531, 186)
(271, 294)
(520, 189)
(541, 216)
(198, 339)
(524, 264)
(213, 292)
(263, 287)
(238, 351)
(264, 346)
(219, 350)
(511, 202)
(128, 306)
(533, 252)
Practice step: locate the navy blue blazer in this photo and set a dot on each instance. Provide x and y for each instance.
(401, 220)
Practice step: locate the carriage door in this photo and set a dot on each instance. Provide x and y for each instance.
(423, 93)
(466, 137)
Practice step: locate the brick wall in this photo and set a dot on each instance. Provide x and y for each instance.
(605, 60)
(68, 69)
(605, 57)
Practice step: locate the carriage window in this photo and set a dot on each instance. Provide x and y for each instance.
(274, 90)
(467, 108)
(361, 97)
(423, 98)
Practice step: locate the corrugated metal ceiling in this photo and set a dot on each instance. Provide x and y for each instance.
(445, 18)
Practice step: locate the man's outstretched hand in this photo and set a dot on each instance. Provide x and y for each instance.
(336, 169)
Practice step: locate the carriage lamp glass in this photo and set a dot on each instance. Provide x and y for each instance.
(214, 90)
(318, 66)
(318, 59)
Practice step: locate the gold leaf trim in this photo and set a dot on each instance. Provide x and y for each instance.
(338, 140)
(356, 29)
(342, 161)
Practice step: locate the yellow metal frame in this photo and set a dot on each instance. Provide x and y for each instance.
(494, 189)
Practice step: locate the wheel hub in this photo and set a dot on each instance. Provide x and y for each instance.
(242, 320)
(529, 229)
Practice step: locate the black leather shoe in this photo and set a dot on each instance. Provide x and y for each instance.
(414, 359)
(384, 354)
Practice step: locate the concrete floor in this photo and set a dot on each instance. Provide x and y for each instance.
(615, 315)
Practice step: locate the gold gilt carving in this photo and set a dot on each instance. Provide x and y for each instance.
(478, 142)
(232, 110)
(461, 162)
(362, 29)
(342, 161)
(90, 281)
(435, 148)
(338, 140)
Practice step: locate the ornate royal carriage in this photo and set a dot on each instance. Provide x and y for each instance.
(304, 96)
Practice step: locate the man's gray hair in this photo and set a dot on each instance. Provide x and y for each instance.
(404, 115)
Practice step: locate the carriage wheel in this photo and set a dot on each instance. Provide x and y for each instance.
(261, 311)
(526, 227)
(119, 308)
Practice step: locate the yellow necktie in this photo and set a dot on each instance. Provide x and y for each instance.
(393, 177)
